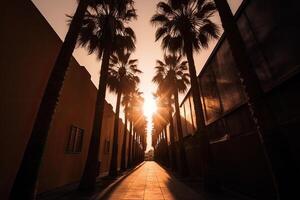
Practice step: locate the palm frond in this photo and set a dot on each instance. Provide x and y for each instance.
(184, 25)
(205, 9)
(159, 19)
(165, 7)
(132, 61)
(160, 32)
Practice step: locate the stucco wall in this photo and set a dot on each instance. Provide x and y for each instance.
(76, 107)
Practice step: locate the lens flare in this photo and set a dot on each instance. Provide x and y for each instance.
(149, 109)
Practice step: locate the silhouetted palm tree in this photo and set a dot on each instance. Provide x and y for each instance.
(185, 26)
(103, 32)
(129, 115)
(141, 128)
(122, 78)
(24, 186)
(165, 102)
(172, 74)
(137, 119)
(132, 113)
(160, 121)
(125, 104)
(140, 132)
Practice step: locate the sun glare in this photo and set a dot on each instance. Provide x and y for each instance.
(149, 107)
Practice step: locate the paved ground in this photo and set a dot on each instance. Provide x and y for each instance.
(152, 182)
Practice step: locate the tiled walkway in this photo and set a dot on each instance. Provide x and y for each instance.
(151, 182)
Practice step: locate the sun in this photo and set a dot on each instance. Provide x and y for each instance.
(149, 106)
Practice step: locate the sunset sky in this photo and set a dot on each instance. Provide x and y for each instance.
(147, 50)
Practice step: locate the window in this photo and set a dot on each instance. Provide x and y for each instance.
(220, 85)
(75, 140)
(193, 113)
(274, 42)
(226, 75)
(188, 116)
(210, 95)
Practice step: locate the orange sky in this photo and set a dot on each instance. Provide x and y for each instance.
(147, 51)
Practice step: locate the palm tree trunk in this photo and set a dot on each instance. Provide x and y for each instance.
(205, 153)
(24, 186)
(113, 171)
(182, 154)
(88, 179)
(123, 159)
(254, 92)
(172, 139)
(130, 146)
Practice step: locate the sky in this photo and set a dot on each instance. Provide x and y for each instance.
(147, 50)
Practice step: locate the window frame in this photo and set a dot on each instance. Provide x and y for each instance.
(75, 140)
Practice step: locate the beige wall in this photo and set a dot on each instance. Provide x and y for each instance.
(106, 135)
(76, 107)
(28, 50)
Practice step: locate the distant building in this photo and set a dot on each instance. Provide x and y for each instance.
(149, 155)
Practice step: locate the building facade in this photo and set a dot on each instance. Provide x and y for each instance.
(27, 55)
(256, 164)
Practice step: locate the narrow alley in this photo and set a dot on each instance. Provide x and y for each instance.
(151, 181)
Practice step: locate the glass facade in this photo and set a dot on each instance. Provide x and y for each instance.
(210, 95)
(193, 114)
(270, 30)
(220, 86)
(227, 80)
(183, 121)
(188, 115)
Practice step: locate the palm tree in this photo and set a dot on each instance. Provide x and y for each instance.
(165, 104)
(160, 121)
(24, 186)
(125, 104)
(140, 131)
(137, 118)
(172, 74)
(185, 26)
(122, 78)
(103, 32)
(129, 112)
